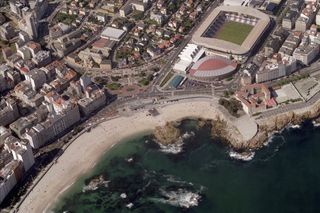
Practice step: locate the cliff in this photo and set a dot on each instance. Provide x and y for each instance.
(278, 122)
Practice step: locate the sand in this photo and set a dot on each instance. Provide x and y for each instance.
(85, 151)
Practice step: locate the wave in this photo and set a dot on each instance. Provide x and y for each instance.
(173, 179)
(187, 135)
(315, 123)
(95, 184)
(297, 126)
(176, 147)
(180, 198)
(244, 156)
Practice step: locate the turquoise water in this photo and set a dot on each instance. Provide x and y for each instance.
(283, 177)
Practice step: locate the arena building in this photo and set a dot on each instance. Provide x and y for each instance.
(231, 30)
(212, 67)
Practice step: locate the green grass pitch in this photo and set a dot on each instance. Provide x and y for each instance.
(234, 32)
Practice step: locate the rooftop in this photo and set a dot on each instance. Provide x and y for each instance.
(112, 33)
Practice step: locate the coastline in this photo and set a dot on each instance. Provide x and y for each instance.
(87, 149)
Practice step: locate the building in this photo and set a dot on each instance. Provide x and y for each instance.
(24, 91)
(36, 78)
(158, 17)
(272, 46)
(113, 34)
(39, 7)
(131, 5)
(6, 31)
(236, 2)
(68, 43)
(9, 111)
(306, 18)
(255, 98)
(42, 58)
(212, 67)
(288, 21)
(190, 54)
(16, 158)
(318, 18)
(90, 96)
(306, 52)
(291, 43)
(8, 78)
(276, 67)
(62, 114)
(30, 25)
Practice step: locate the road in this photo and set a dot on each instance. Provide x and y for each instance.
(290, 107)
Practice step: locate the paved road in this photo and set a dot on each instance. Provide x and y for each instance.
(290, 107)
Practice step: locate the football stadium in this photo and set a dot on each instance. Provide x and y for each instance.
(232, 30)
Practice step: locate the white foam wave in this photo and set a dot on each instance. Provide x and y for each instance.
(297, 126)
(188, 135)
(315, 124)
(176, 147)
(244, 156)
(180, 198)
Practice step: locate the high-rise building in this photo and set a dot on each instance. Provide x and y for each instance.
(31, 25)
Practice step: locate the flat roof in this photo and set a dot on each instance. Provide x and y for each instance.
(112, 33)
(226, 46)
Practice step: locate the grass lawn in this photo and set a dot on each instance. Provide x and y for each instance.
(234, 32)
(114, 86)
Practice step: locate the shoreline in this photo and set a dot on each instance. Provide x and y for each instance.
(80, 157)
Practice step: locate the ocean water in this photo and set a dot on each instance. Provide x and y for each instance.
(283, 177)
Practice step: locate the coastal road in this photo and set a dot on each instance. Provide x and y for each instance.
(290, 107)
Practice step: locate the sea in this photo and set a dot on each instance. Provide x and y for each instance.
(198, 175)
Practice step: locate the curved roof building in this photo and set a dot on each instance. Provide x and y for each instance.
(251, 24)
(212, 67)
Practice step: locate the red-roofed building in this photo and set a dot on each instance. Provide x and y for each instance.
(255, 98)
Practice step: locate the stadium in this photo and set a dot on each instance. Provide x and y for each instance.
(232, 30)
(212, 67)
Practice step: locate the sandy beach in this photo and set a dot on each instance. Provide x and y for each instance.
(85, 151)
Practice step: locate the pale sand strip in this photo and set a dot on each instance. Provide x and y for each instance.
(85, 151)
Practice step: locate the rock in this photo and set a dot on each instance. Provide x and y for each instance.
(167, 134)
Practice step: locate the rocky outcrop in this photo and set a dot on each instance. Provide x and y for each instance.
(219, 129)
(167, 134)
(227, 133)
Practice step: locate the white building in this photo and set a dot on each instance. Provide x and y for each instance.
(16, 158)
(276, 67)
(190, 54)
(113, 34)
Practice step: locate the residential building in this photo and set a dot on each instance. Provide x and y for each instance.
(8, 78)
(16, 158)
(6, 31)
(63, 113)
(276, 67)
(9, 111)
(307, 51)
(90, 96)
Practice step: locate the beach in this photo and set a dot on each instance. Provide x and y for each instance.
(86, 150)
